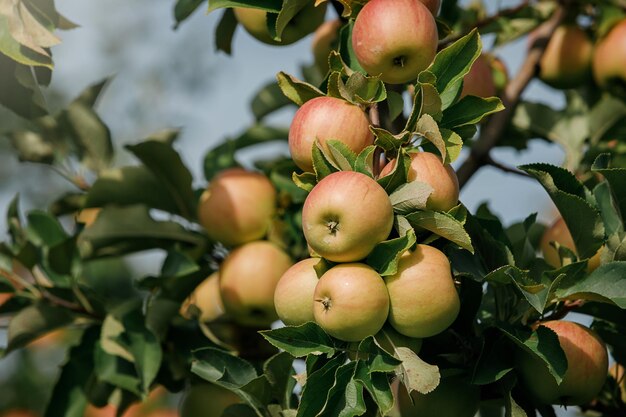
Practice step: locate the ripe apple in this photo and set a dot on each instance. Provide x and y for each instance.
(609, 56)
(427, 167)
(479, 80)
(351, 302)
(293, 297)
(453, 397)
(345, 215)
(395, 38)
(587, 367)
(248, 279)
(324, 118)
(566, 62)
(207, 400)
(560, 233)
(206, 298)
(237, 207)
(423, 299)
(324, 38)
(304, 22)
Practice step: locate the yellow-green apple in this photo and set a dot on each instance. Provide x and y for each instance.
(395, 39)
(389, 339)
(559, 232)
(423, 298)
(206, 400)
(609, 57)
(428, 168)
(346, 215)
(293, 297)
(453, 397)
(500, 73)
(618, 373)
(324, 39)
(237, 206)
(587, 367)
(324, 118)
(248, 278)
(566, 61)
(206, 298)
(304, 22)
(351, 302)
(479, 80)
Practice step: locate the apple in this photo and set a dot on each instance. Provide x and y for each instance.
(237, 207)
(453, 397)
(324, 39)
(609, 56)
(479, 80)
(587, 367)
(248, 278)
(206, 298)
(351, 302)
(304, 22)
(293, 297)
(207, 400)
(423, 298)
(324, 118)
(559, 232)
(396, 39)
(428, 168)
(346, 215)
(566, 61)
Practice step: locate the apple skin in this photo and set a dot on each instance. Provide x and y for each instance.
(293, 298)
(324, 38)
(248, 278)
(207, 400)
(395, 38)
(560, 233)
(427, 167)
(254, 21)
(423, 299)
(346, 215)
(587, 370)
(237, 206)
(479, 80)
(609, 70)
(351, 302)
(324, 118)
(566, 62)
(206, 297)
(453, 397)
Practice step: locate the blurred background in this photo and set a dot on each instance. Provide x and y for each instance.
(166, 78)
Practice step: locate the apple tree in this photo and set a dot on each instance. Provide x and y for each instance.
(347, 279)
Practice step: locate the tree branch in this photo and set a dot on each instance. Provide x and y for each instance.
(490, 161)
(492, 131)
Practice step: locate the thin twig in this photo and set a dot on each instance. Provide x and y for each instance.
(490, 161)
(494, 128)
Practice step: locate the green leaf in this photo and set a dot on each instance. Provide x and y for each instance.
(607, 283)
(387, 140)
(323, 164)
(116, 371)
(427, 128)
(416, 374)
(279, 372)
(11, 43)
(365, 90)
(398, 176)
(470, 110)
(495, 360)
(365, 161)
(604, 115)
(184, 8)
(385, 255)
(395, 104)
(295, 90)
(529, 288)
(453, 143)
(305, 181)
(267, 100)
(35, 321)
(616, 177)
(426, 100)
(307, 339)
(378, 359)
(441, 224)
(345, 48)
(320, 381)
(31, 146)
(90, 134)
(345, 398)
(225, 31)
(342, 156)
(410, 197)
(20, 90)
(377, 384)
(289, 9)
(44, 229)
(268, 5)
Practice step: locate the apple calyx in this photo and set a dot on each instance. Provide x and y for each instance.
(326, 302)
(399, 61)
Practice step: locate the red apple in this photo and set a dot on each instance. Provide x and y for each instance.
(479, 81)
(609, 59)
(351, 302)
(293, 297)
(423, 298)
(396, 39)
(560, 233)
(428, 168)
(346, 215)
(248, 278)
(324, 38)
(324, 118)
(237, 207)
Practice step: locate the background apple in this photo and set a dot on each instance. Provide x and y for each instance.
(351, 302)
(206, 400)
(304, 22)
(587, 368)
(395, 38)
(423, 298)
(324, 118)
(248, 278)
(293, 298)
(479, 80)
(427, 167)
(609, 57)
(566, 62)
(206, 298)
(560, 233)
(453, 397)
(324, 39)
(237, 207)
(345, 215)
